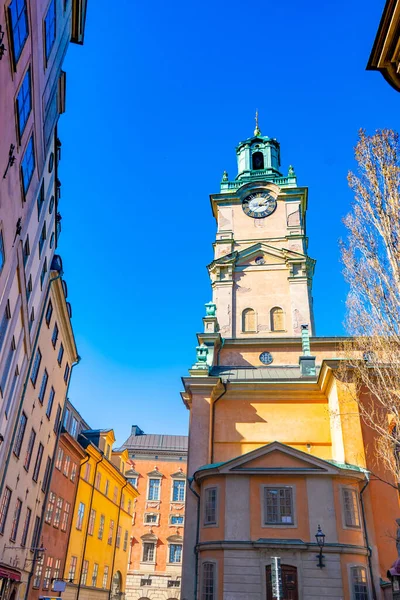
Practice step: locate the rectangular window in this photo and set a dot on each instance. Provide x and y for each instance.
(16, 518)
(72, 568)
(42, 240)
(11, 391)
(176, 519)
(57, 514)
(4, 320)
(7, 366)
(39, 204)
(20, 434)
(101, 527)
(74, 427)
(46, 476)
(25, 530)
(49, 313)
(35, 534)
(47, 573)
(60, 354)
(38, 463)
(148, 551)
(50, 403)
(359, 583)
(115, 496)
(94, 574)
(29, 449)
(65, 518)
(175, 553)
(26, 250)
(126, 534)
(57, 567)
(86, 475)
(43, 273)
(154, 489)
(59, 460)
(43, 386)
(150, 518)
(54, 337)
(18, 15)
(50, 28)
(178, 490)
(208, 582)
(123, 501)
(106, 487)
(350, 505)
(132, 480)
(38, 572)
(66, 417)
(92, 520)
(278, 506)
(67, 463)
(66, 373)
(110, 533)
(85, 569)
(98, 481)
(74, 470)
(81, 514)
(50, 507)
(28, 164)
(57, 419)
(24, 102)
(36, 366)
(2, 254)
(118, 540)
(129, 506)
(210, 506)
(105, 577)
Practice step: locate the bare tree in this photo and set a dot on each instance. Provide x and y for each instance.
(371, 257)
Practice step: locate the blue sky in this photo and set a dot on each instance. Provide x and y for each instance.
(157, 99)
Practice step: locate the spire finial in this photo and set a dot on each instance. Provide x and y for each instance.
(257, 129)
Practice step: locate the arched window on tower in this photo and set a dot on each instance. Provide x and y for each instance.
(277, 319)
(248, 320)
(258, 161)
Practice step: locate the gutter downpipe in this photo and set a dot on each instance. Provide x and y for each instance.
(116, 534)
(88, 521)
(213, 421)
(366, 538)
(196, 552)
(46, 494)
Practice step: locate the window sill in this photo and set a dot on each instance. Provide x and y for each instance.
(279, 525)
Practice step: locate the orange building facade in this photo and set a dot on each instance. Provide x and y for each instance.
(159, 474)
(279, 459)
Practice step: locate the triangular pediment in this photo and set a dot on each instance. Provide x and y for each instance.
(262, 253)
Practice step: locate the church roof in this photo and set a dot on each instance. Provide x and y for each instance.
(276, 373)
(154, 441)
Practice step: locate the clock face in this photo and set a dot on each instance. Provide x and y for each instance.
(266, 358)
(259, 205)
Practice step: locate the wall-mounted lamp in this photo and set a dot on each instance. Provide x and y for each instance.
(320, 537)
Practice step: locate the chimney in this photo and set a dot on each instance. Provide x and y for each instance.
(136, 430)
(306, 361)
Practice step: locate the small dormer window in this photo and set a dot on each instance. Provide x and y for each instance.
(258, 161)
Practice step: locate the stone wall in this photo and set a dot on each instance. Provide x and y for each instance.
(158, 590)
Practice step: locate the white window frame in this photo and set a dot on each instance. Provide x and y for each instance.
(151, 513)
(176, 524)
(149, 477)
(216, 524)
(275, 486)
(215, 563)
(350, 568)
(343, 509)
(168, 555)
(148, 562)
(184, 490)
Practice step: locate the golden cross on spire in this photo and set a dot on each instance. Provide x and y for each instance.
(257, 129)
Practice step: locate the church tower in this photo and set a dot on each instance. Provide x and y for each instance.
(261, 274)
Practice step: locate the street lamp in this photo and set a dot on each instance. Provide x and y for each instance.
(320, 537)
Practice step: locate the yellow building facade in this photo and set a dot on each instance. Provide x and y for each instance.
(99, 545)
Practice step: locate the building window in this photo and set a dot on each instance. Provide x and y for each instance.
(31, 318)
(57, 514)
(39, 204)
(50, 28)
(38, 572)
(29, 288)
(19, 26)
(50, 507)
(57, 568)
(129, 506)
(38, 462)
(92, 520)
(11, 391)
(258, 161)
(35, 534)
(47, 573)
(277, 317)
(359, 583)
(105, 577)
(210, 506)
(248, 320)
(28, 164)
(178, 490)
(123, 501)
(176, 520)
(57, 419)
(118, 539)
(25, 530)
(65, 518)
(208, 582)
(20, 434)
(115, 496)
(175, 553)
(81, 514)
(106, 487)
(85, 569)
(16, 518)
(110, 533)
(5, 505)
(7, 366)
(49, 313)
(148, 551)
(2, 254)
(73, 472)
(26, 250)
(36, 366)
(66, 373)
(126, 535)
(150, 518)
(67, 463)
(46, 474)
(54, 337)
(94, 574)
(154, 489)
(108, 451)
(43, 273)
(59, 460)
(72, 569)
(66, 418)
(29, 450)
(350, 506)
(101, 527)
(278, 508)
(43, 386)
(88, 468)
(4, 323)
(98, 481)
(24, 102)
(60, 354)
(50, 403)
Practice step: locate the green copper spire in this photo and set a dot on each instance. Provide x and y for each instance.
(257, 131)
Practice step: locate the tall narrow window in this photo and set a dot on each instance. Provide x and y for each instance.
(7, 366)
(24, 102)
(57, 514)
(20, 434)
(85, 569)
(5, 319)
(16, 518)
(42, 240)
(29, 288)
(57, 567)
(208, 582)
(278, 509)
(126, 534)
(258, 161)
(64, 524)
(101, 527)
(148, 551)
(210, 506)
(29, 450)
(359, 583)
(38, 571)
(43, 386)
(38, 463)
(277, 319)
(11, 391)
(118, 539)
(248, 320)
(67, 463)
(2, 253)
(59, 461)
(43, 273)
(50, 28)
(72, 568)
(39, 203)
(25, 530)
(95, 574)
(110, 533)
(19, 26)
(54, 337)
(28, 164)
(47, 573)
(86, 475)
(50, 507)
(57, 419)
(154, 489)
(105, 577)
(35, 534)
(175, 553)
(60, 354)
(81, 514)
(92, 520)
(350, 506)
(66, 373)
(46, 476)
(36, 366)
(50, 403)
(5, 505)
(49, 312)
(26, 250)
(178, 490)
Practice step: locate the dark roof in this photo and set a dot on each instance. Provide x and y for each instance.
(154, 441)
(258, 373)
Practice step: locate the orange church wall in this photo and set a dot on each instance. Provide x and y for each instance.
(347, 561)
(346, 535)
(214, 532)
(216, 556)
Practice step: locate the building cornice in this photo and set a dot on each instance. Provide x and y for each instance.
(284, 544)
